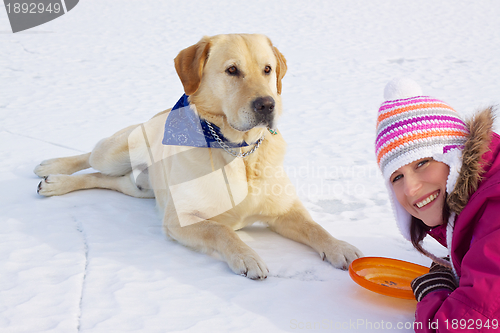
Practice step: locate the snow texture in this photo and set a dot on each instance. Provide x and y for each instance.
(98, 261)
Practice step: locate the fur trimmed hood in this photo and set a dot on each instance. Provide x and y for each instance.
(473, 237)
(480, 127)
(469, 178)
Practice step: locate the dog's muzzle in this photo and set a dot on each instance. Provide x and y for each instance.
(264, 110)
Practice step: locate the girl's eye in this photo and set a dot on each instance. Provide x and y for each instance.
(398, 177)
(421, 163)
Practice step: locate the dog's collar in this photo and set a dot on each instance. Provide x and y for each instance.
(185, 128)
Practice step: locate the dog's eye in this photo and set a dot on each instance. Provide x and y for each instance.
(268, 69)
(233, 70)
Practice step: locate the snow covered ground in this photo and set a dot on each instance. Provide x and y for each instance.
(98, 261)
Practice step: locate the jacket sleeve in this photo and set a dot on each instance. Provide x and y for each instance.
(474, 305)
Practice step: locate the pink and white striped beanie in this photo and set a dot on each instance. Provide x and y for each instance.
(411, 127)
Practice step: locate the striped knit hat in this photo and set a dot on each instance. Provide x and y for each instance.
(411, 127)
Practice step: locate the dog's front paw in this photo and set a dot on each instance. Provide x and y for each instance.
(340, 254)
(248, 264)
(53, 185)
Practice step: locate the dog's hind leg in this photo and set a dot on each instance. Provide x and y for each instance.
(62, 184)
(111, 157)
(63, 165)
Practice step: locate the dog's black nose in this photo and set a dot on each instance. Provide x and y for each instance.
(264, 105)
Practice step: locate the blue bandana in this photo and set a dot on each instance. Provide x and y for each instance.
(185, 128)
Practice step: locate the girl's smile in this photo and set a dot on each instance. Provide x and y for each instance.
(420, 188)
(427, 200)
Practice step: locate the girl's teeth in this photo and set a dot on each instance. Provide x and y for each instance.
(426, 201)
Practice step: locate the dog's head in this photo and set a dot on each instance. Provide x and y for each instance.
(234, 79)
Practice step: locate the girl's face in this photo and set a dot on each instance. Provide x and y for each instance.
(420, 188)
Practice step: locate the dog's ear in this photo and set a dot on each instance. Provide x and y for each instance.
(280, 67)
(189, 64)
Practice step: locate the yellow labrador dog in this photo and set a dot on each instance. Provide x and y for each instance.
(214, 161)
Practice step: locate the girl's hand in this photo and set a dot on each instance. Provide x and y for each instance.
(439, 277)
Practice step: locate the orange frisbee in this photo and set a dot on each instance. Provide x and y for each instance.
(386, 276)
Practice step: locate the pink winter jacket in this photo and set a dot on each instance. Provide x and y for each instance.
(475, 305)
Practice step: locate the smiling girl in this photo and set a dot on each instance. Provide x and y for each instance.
(443, 178)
